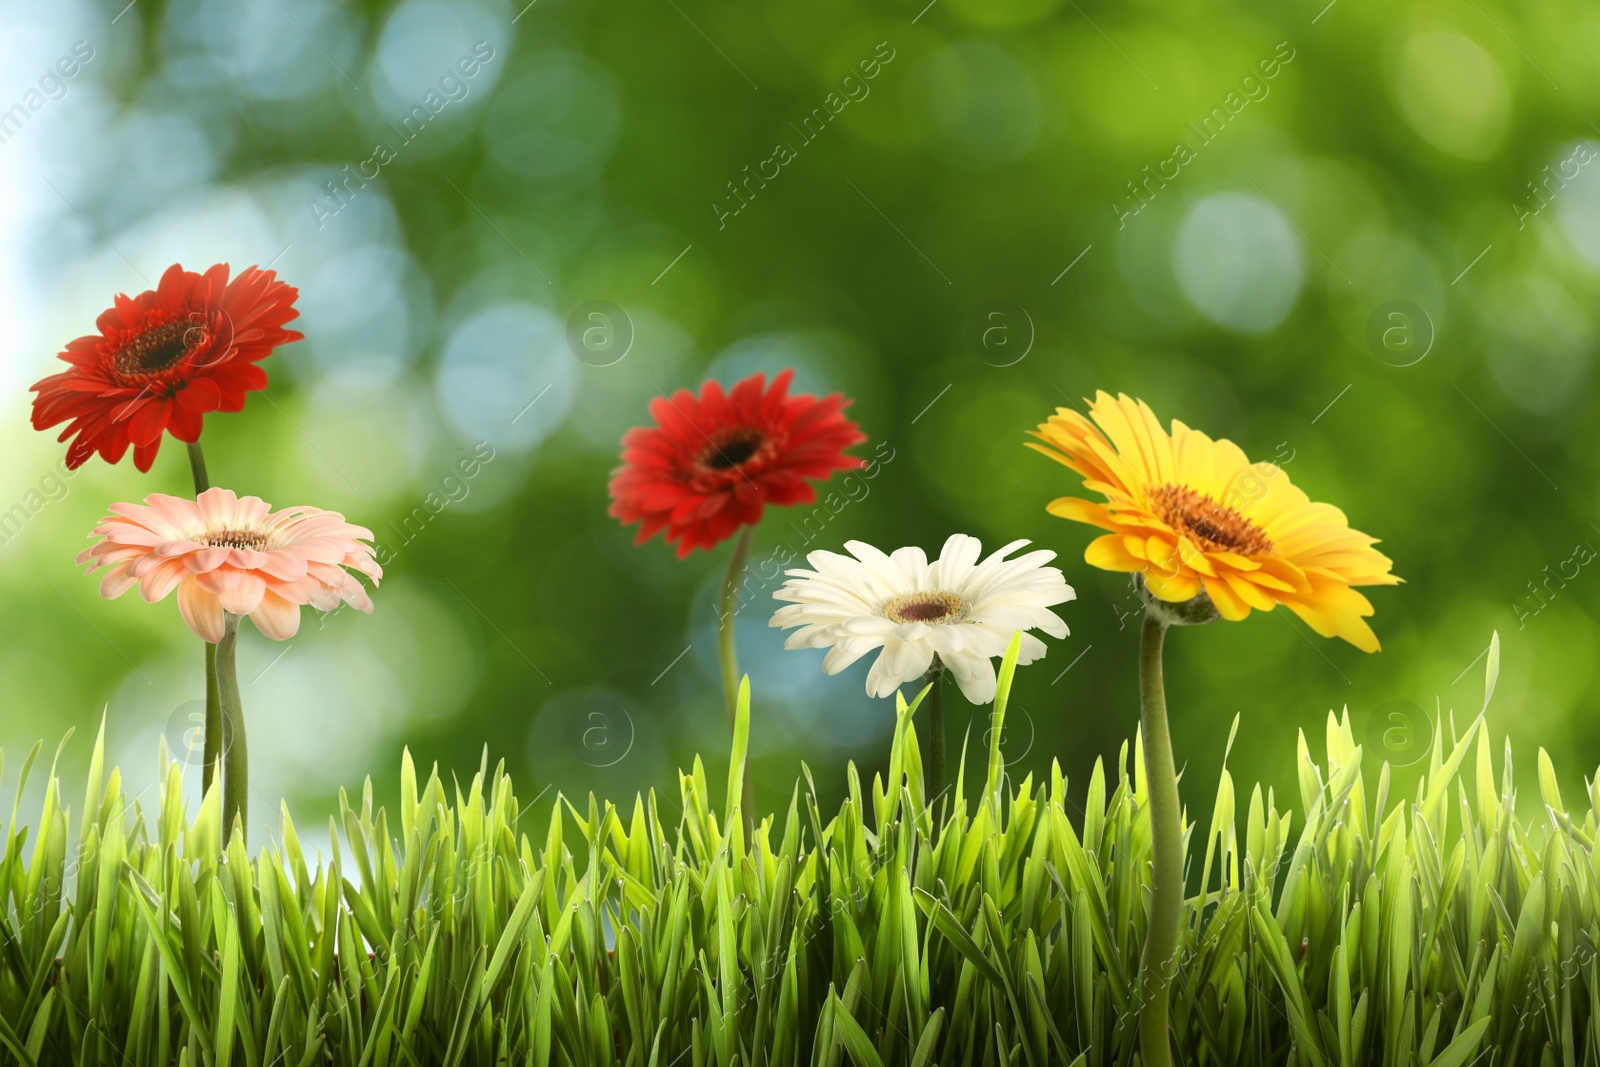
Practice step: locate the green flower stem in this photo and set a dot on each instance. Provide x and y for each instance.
(1166, 831)
(197, 464)
(211, 744)
(728, 651)
(933, 744)
(235, 759)
(211, 748)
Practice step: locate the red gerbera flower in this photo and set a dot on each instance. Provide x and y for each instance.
(712, 463)
(165, 359)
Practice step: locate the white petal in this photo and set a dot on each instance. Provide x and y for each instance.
(976, 678)
(875, 625)
(949, 640)
(911, 569)
(845, 653)
(1023, 617)
(951, 571)
(1032, 648)
(898, 663)
(817, 635)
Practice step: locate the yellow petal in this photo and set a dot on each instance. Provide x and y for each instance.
(1108, 554)
(1196, 559)
(1335, 610)
(1248, 591)
(1162, 554)
(1070, 507)
(1283, 573)
(1227, 602)
(1174, 589)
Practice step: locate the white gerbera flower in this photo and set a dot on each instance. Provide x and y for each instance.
(963, 611)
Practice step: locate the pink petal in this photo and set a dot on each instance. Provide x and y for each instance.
(248, 559)
(219, 508)
(105, 554)
(220, 580)
(180, 516)
(329, 573)
(253, 511)
(245, 597)
(285, 565)
(115, 582)
(201, 610)
(148, 518)
(158, 581)
(128, 533)
(303, 590)
(276, 618)
(145, 562)
(207, 559)
(356, 596)
(319, 550)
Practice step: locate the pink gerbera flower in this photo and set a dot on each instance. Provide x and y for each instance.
(229, 554)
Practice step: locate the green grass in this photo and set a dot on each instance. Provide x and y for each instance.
(1364, 929)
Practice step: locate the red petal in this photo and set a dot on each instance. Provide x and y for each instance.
(144, 455)
(146, 424)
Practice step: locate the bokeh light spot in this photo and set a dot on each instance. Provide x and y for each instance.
(1576, 197)
(557, 125)
(1453, 93)
(1538, 344)
(506, 376)
(1238, 262)
(983, 103)
(423, 44)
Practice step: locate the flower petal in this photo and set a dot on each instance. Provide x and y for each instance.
(277, 619)
(201, 610)
(1109, 553)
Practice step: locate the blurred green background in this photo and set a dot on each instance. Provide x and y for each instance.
(1374, 258)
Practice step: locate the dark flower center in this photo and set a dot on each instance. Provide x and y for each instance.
(925, 607)
(158, 347)
(1215, 526)
(253, 539)
(732, 450)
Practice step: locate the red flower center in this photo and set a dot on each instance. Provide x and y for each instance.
(732, 449)
(148, 352)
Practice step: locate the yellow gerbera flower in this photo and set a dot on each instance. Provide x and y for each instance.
(1194, 515)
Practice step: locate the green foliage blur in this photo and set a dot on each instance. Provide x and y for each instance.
(1360, 240)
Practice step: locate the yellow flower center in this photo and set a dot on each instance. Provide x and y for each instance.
(252, 539)
(1215, 527)
(930, 608)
